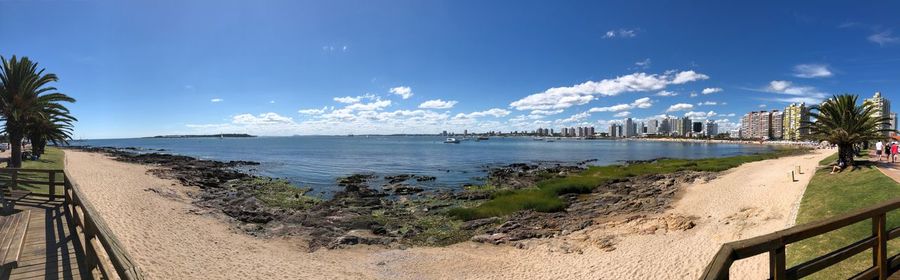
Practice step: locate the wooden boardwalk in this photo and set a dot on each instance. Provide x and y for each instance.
(51, 250)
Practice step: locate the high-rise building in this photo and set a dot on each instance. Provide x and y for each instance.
(777, 121)
(630, 128)
(757, 125)
(697, 128)
(893, 121)
(746, 125)
(652, 127)
(615, 130)
(711, 128)
(882, 108)
(794, 122)
(686, 126)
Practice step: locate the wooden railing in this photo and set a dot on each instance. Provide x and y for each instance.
(774, 244)
(104, 256)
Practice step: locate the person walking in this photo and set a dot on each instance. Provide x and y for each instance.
(895, 148)
(879, 148)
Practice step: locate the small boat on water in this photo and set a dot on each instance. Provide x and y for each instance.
(483, 138)
(451, 141)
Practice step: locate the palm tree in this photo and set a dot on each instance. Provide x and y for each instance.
(24, 94)
(843, 122)
(49, 126)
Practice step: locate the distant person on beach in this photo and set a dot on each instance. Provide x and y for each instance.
(879, 149)
(838, 167)
(894, 150)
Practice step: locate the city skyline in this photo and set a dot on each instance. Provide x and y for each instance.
(357, 67)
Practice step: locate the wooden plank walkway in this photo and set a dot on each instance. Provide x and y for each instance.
(51, 250)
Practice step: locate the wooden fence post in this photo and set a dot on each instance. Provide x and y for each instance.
(777, 264)
(52, 185)
(879, 228)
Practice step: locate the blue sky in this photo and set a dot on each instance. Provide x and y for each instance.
(142, 68)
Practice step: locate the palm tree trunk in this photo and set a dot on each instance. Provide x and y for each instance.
(845, 154)
(15, 160)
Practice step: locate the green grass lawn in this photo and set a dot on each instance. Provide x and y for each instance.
(829, 195)
(53, 158)
(545, 196)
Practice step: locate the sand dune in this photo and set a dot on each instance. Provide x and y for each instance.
(172, 239)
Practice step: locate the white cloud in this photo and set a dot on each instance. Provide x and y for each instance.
(437, 104)
(357, 99)
(271, 101)
(797, 93)
(711, 90)
(216, 100)
(641, 103)
(378, 104)
(707, 103)
(495, 112)
(680, 107)
(546, 112)
(762, 105)
(688, 76)
(700, 115)
(262, 119)
(666, 93)
(643, 64)
(812, 71)
(312, 111)
(883, 38)
(620, 33)
(404, 92)
(580, 117)
(622, 114)
(565, 97)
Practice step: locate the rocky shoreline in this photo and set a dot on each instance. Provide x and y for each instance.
(395, 211)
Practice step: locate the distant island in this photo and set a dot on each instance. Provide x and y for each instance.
(224, 135)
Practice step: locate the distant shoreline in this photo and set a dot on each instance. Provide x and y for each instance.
(725, 141)
(224, 135)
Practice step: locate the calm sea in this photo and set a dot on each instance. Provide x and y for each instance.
(316, 161)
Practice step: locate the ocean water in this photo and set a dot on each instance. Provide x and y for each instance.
(317, 161)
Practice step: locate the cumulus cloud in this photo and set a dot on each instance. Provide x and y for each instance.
(666, 93)
(812, 71)
(641, 103)
(404, 92)
(437, 104)
(620, 33)
(622, 114)
(680, 107)
(495, 112)
(711, 90)
(707, 103)
(688, 76)
(700, 115)
(371, 106)
(261, 119)
(216, 100)
(795, 93)
(312, 111)
(580, 117)
(565, 97)
(352, 99)
(546, 112)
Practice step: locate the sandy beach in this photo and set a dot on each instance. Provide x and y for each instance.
(172, 239)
